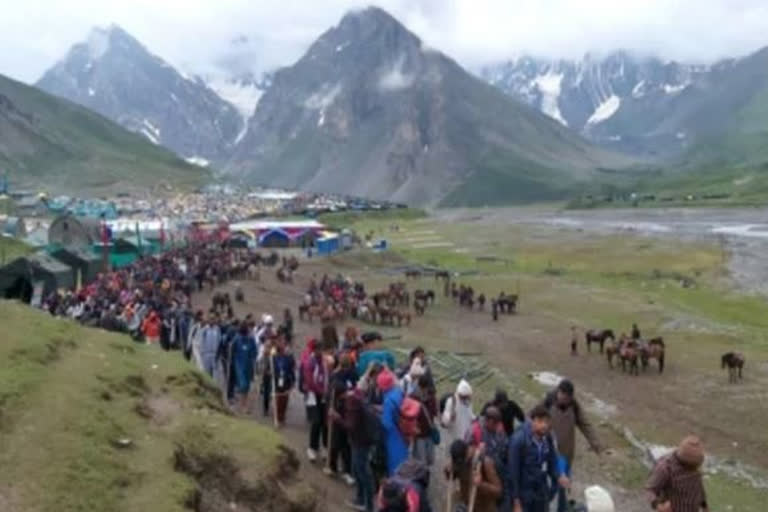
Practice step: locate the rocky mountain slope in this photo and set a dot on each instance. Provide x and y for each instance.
(116, 76)
(646, 106)
(370, 110)
(50, 141)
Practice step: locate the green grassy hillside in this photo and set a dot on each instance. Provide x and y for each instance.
(92, 421)
(50, 141)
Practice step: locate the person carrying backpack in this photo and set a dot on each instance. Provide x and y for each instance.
(362, 424)
(488, 431)
(397, 449)
(406, 490)
(533, 472)
(457, 413)
(480, 487)
(314, 373)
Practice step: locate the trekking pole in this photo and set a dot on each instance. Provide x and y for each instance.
(274, 388)
(476, 470)
(449, 487)
(330, 434)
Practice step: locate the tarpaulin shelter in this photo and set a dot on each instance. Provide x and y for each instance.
(71, 231)
(81, 261)
(19, 278)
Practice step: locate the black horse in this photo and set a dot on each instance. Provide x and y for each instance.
(735, 363)
(595, 336)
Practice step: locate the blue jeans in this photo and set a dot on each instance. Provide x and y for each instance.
(562, 499)
(361, 471)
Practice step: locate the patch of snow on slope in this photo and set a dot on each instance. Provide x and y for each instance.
(155, 130)
(151, 136)
(342, 46)
(198, 161)
(243, 131)
(323, 98)
(98, 43)
(549, 87)
(91, 92)
(245, 97)
(605, 110)
(393, 79)
(639, 90)
(674, 89)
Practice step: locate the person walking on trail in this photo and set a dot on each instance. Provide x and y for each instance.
(509, 410)
(373, 352)
(567, 414)
(429, 435)
(457, 414)
(243, 365)
(397, 449)
(151, 328)
(284, 366)
(635, 332)
(476, 474)
(488, 431)
(315, 383)
(676, 484)
(533, 473)
(341, 380)
(210, 338)
(287, 326)
(360, 424)
(265, 359)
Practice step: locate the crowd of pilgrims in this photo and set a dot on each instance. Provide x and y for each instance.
(374, 423)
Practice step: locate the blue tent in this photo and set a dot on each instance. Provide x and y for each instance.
(274, 238)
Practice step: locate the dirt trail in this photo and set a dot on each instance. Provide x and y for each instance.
(270, 296)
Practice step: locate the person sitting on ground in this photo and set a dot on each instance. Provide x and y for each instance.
(567, 414)
(676, 484)
(457, 413)
(533, 473)
(509, 410)
(373, 352)
(473, 469)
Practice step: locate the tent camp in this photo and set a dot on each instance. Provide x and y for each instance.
(68, 231)
(20, 277)
(81, 261)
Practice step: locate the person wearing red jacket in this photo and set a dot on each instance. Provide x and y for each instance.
(151, 328)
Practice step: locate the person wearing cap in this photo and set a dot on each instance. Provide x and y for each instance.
(676, 484)
(458, 414)
(567, 414)
(397, 449)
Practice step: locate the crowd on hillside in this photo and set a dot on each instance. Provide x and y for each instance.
(373, 423)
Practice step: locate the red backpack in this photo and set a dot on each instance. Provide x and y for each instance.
(410, 410)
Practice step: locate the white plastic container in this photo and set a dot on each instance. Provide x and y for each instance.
(598, 499)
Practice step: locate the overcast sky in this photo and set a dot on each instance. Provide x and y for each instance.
(196, 34)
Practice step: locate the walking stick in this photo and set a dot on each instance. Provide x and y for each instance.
(274, 387)
(330, 434)
(449, 487)
(476, 470)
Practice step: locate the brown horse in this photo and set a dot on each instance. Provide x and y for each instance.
(629, 354)
(442, 274)
(611, 351)
(654, 350)
(600, 337)
(735, 363)
(419, 306)
(413, 274)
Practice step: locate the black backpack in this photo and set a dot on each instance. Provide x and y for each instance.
(443, 400)
(372, 424)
